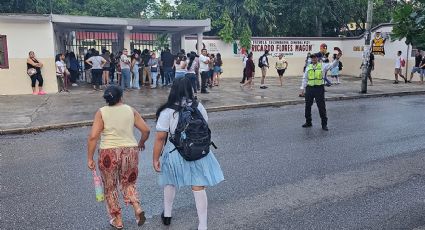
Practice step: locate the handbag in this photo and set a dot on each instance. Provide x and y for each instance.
(31, 72)
(154, 68)
(98, 187)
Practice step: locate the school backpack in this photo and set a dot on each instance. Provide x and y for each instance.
(260, 62)
(192, 137)
(402, 62)
(340, 66)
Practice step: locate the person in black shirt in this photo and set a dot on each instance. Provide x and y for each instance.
(146, 56)
(371, 67)
(416, 68)
(167, 62)
(422, 66)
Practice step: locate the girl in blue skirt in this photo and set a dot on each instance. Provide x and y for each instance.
(174, 170)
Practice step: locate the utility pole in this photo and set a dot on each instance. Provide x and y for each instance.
(366, 54)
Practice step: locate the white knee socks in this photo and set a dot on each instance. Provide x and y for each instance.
(201, 207)
(169, 194)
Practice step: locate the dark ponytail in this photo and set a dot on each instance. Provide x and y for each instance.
(113, 95)
(191, 59)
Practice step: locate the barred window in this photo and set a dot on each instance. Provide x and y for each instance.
(4, 62)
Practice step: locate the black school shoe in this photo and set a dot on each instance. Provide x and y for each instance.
(165, 220)
(325, 127)
(307, 125)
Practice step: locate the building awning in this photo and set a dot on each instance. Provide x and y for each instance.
(134, 24)
(110, 23)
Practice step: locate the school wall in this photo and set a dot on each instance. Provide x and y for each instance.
(23, 37)
(295, 50)
(384, 65)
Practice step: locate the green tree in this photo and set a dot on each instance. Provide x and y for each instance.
(164, 10)
(232, 19)
(110, 8)
(226, 32)
(409, 20)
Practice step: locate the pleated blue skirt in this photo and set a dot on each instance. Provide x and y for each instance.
(175, 170)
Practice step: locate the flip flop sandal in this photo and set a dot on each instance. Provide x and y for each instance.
(142, 219)
(111, 222)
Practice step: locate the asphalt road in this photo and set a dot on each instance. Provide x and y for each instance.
(367, 172)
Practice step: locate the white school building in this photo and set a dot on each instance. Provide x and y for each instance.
(48, 35)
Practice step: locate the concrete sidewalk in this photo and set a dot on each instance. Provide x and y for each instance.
(28, 113)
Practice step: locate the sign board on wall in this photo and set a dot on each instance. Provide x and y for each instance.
(291, 47)
(287, 47)
(378, 43)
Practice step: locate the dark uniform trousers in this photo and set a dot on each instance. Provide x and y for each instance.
(204, 79)
(315, 93)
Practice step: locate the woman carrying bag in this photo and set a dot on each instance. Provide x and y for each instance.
(34, 72)
(118, 153)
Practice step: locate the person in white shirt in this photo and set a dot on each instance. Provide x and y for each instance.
(204, 68)
(398, 67)
(191, 72)
(96, 62)
(61, 72)
(244, 60)
(174, 171)
(264, 67)
(125, 70)
(180, 64)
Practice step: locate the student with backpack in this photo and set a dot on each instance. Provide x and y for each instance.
(181, 151)
(263, 63)
(335, 71)
(400, 63)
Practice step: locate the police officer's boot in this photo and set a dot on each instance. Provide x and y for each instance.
(307, 125)
(325, 126)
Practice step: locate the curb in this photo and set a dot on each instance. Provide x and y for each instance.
(213, 109)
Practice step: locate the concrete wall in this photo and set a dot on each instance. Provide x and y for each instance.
(23, 37)
(384, 65)
(296, 49)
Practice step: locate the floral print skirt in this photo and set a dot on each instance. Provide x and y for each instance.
(119, 170)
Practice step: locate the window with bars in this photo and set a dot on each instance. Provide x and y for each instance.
(143, 41)
(81, 41)
(4, 59)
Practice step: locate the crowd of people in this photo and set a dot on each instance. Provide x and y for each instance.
(146, 68)
(140, 68)
(130, 71)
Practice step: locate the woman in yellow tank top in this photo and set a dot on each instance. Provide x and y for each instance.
(118, 153)
(281, 65)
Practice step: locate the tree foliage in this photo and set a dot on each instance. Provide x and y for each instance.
(409, 19)
(232, 19)
(102, 8)
(239, 19)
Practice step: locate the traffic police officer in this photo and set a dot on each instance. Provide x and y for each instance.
(314, 88)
